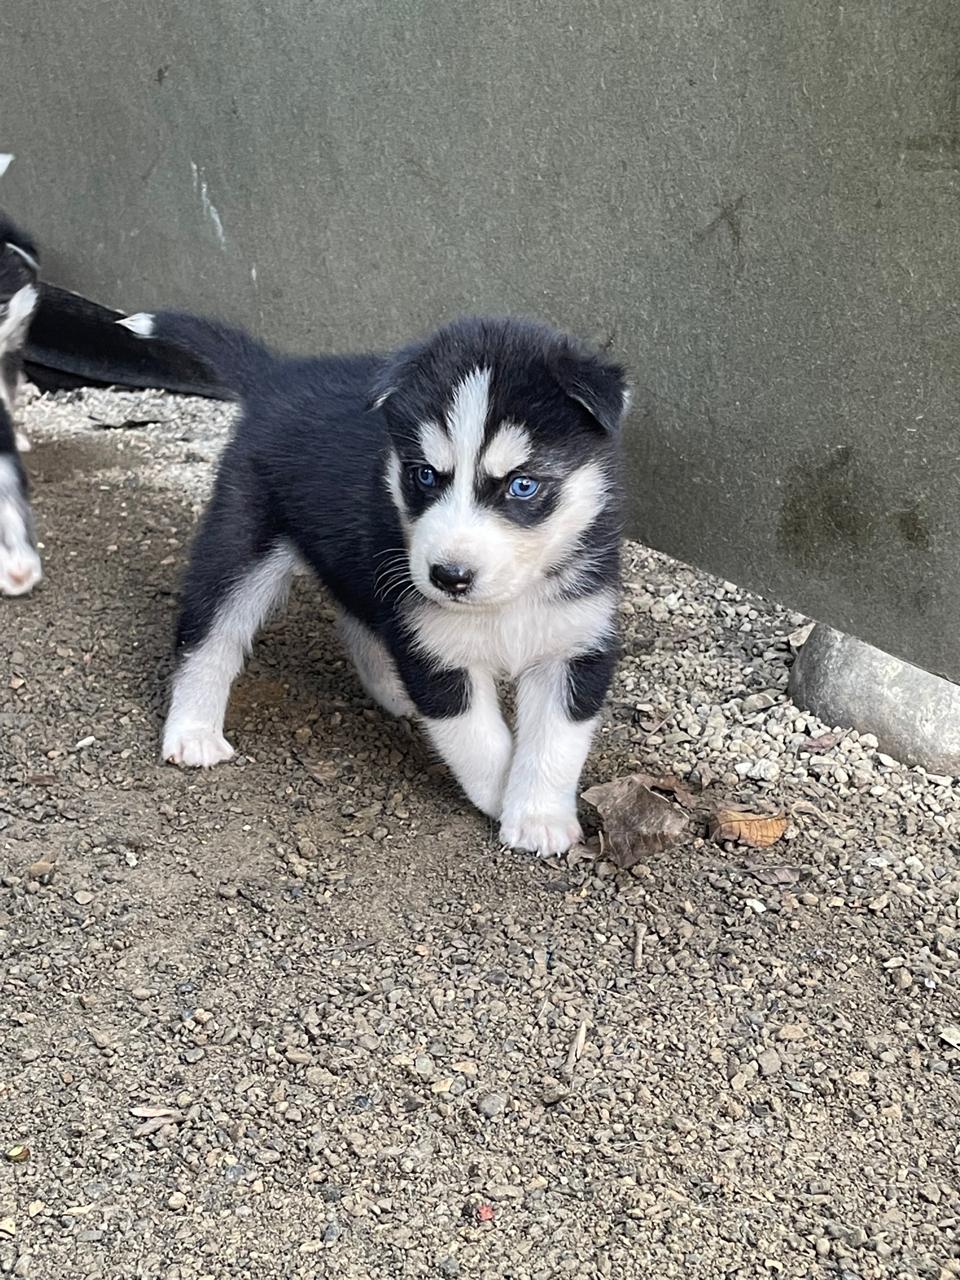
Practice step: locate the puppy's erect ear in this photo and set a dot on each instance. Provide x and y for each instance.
(600, 387)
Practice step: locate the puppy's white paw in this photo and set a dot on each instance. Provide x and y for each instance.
(195, 746)
(20, 569)
(544, 833)
(19, 563)
(23, 442)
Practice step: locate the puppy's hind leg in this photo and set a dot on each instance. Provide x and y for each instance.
(227, 599)
(375, 666)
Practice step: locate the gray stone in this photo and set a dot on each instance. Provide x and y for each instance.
(914, 716)
(492, 1105)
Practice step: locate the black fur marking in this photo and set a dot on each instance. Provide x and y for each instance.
(492, 493)
(589, 679)
(437, 694)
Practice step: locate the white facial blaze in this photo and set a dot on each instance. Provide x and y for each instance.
(454, 530)
(467, 419)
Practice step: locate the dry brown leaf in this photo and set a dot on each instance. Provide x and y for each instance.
(826, 742)
(758, 830)
(668, 783)
(636, 822)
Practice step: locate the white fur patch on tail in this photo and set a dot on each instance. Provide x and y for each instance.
(142, 323)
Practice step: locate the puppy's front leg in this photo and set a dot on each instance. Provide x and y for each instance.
(557, 713)
(472, 737)
(19, 561)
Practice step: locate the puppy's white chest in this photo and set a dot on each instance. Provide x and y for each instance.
(508, 640)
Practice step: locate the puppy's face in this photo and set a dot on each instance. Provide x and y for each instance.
(503, 455)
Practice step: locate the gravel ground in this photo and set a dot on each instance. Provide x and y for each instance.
(300, 1017)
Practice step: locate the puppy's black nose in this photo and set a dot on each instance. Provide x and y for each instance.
(452, 578)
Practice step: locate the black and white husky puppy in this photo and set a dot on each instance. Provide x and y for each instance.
(460, 500)
(19, 561)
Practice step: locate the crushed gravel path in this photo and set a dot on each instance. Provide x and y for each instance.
(300, 1017)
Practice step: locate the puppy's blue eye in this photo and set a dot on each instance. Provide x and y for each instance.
(425, 477)
(523, 487)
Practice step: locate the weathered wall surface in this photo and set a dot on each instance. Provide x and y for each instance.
(757, 204)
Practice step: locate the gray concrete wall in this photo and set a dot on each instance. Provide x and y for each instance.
(755, 203)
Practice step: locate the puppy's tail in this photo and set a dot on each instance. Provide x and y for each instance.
(237, 361)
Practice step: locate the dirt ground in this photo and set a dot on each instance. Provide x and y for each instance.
(300, 1017)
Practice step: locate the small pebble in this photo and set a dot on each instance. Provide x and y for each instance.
(768, 1062)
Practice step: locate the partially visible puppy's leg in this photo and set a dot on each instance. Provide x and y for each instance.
(558, 706)
(470, 734)
(238, 576)
(11, 382)
(375, 666)
(19, 562)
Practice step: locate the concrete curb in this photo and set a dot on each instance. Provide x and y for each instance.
(915, 716)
